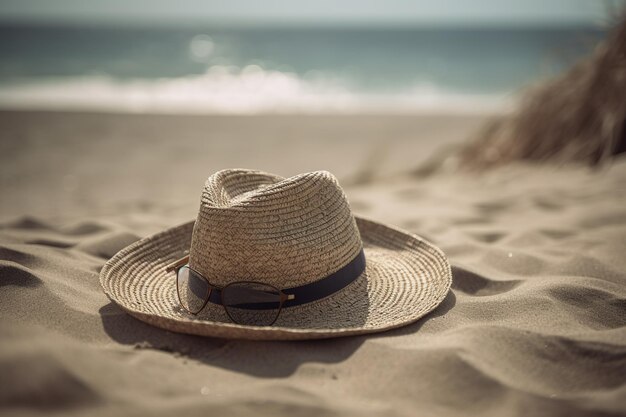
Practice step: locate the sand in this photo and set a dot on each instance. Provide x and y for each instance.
(534, 325)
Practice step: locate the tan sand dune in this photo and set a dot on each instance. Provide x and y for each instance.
(535, 324)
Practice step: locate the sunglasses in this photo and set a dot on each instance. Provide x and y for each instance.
(246, 302)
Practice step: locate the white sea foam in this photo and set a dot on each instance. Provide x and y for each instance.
(230, 90)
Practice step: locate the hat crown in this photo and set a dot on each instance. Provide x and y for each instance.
(255, 226)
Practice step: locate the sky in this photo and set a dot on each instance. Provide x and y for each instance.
(316, 12)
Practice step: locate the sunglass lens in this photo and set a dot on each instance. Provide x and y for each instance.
(251, 304)
(193, 290)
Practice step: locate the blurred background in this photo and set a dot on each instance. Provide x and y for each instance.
(279, 56)
(129, 105)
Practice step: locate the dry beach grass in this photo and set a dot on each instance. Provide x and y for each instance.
(579, 116)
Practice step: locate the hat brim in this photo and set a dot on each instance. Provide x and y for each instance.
(406, 277)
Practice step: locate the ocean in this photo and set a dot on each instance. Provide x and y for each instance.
(247, 70)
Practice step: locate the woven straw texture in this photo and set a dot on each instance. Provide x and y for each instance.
(406, 277)
(283, 232)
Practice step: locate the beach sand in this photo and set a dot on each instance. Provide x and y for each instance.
(534, 324)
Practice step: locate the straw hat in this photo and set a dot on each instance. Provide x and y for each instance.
(288, 233)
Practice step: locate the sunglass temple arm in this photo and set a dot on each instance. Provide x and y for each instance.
(176, 264)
